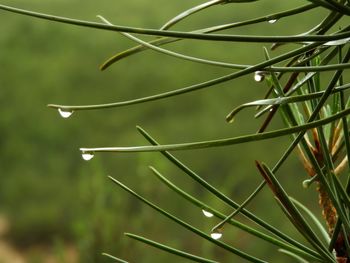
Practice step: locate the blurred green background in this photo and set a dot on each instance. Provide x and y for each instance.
(56, 207)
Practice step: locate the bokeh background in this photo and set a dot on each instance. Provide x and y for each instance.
(56, 207)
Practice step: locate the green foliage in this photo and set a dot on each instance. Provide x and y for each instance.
(305, 85)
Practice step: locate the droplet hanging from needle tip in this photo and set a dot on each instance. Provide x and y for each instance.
(216, 235)
(65, 113)
(259, 76)
(206, 213)
(87, 156)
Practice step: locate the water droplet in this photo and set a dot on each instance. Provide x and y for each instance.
(65, 113)
(87, 156)
(272, 21)
(216, 235)
(270, 110)
(259, 76)
(207, 214)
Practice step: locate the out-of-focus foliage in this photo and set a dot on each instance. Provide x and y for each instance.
(49, 193)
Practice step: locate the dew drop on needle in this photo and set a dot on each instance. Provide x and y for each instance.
(87, 156)
(259, 76)
(65, 113)
(207, 214)
(216, 235)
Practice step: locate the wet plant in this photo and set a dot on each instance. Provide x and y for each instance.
(304, 74)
